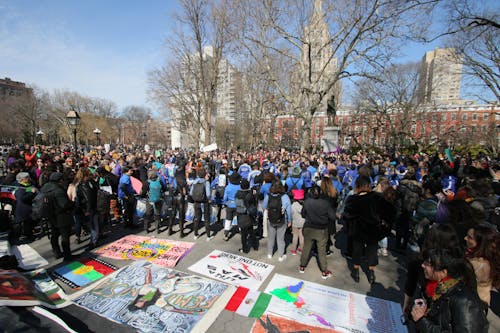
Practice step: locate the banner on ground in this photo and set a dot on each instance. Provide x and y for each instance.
(83, 271)
(233, 269)
(151, 298)
(29, 289)
(326, 307)
(269, 323)
(163, 252)
(248, 303)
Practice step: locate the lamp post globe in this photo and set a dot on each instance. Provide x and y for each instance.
(97, 133)
(73, 121)
(39, 134)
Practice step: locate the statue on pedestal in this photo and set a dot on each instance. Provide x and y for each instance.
(331, 111)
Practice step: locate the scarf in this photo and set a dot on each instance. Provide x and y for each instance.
(436, 289)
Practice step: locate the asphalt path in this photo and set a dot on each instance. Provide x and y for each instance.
(390, 278)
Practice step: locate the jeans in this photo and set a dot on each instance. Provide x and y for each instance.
(197, 217)
(276, 235)
(92, 221)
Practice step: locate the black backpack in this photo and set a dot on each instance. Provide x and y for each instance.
(199, 194)
(275, 211)
(43, 206)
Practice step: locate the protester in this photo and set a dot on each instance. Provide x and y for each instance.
(246, 212)
(297, 228)
(318, 214)
(61, 220)
(279, 218)
(23, 222)
(483, 252)
(201, 200)
(126, 195)
(86, 202)
(449, 301)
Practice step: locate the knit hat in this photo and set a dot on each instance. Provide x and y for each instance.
(22, 175)
(296, 172)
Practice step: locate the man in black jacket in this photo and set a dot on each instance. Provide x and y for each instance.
(246, 216)
(62, 219)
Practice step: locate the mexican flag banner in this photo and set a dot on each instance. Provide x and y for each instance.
(248, 303)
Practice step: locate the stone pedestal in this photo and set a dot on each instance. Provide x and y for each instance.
(330, 139)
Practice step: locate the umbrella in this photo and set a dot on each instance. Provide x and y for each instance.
(136, 184)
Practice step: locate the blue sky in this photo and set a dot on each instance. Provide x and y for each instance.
(98, 48)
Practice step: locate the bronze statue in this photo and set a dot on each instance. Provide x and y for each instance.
(331, 111)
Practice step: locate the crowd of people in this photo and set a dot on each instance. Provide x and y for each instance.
(442, 213)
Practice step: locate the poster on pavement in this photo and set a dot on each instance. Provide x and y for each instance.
(162, 252)
(233, 269)
(269, 323)
(27, 258)
(29, 289)
(326, 307)
(83, 271)
(150, 298)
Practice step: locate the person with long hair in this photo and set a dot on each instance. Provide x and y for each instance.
(449, 301)
(332, 194)
(318, 214)
(86, 201)
(483, 252)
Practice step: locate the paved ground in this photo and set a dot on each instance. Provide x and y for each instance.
(390, 279)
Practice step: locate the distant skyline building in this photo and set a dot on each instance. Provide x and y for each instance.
(440, 77)
(227, 85)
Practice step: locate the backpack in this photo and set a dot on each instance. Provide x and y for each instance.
(154, 190)
(275, 211)
(103, 201)
(168, 205)
(240, 205)
(410, 199)
(199, 194)
(43, 206)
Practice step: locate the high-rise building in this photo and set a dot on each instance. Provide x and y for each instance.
(225, 99)
(318, 62)
(440, 77)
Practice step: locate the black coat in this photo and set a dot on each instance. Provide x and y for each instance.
(363, 214)
(86, 196)
(319, 213)
(459, 310)
(24, 201)
(63, 207)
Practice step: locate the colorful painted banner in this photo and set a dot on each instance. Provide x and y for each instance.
(275, 324)
(28, 289)
(163, 252)
(151, 298)
(83, 272)
(248, 303)
(317, 305)
(233, 269)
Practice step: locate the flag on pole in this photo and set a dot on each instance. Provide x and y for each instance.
(248, 303)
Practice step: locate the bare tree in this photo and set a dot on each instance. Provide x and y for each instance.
(361, 38)
(389, 103)
(136, 120)
(188, 86)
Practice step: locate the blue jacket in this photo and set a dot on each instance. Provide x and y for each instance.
(125, 187)
(297, 181)
(285, 204)
(229, 195)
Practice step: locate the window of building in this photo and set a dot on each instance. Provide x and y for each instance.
(464, 117)
(453, 116)
(474, 116)
(483, 128)
(443, 117)
(485, 116)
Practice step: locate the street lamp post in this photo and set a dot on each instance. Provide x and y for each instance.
(226, 136)
(73, 121)
(143, 138)
(39, 134)
(97, 133)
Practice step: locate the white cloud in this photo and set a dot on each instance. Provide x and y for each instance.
(50, 56)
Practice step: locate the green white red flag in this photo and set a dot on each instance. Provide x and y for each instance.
(248, 303)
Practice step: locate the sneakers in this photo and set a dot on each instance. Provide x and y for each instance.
(209, 238)
(326, 274)
(269, 256)
(329, 253)
(226, 237)
(282, 258)
(302, 269)
(299, 250)
(355, 274)
(293, 253)
(196, 237)
(383, 252)
(371, 276)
